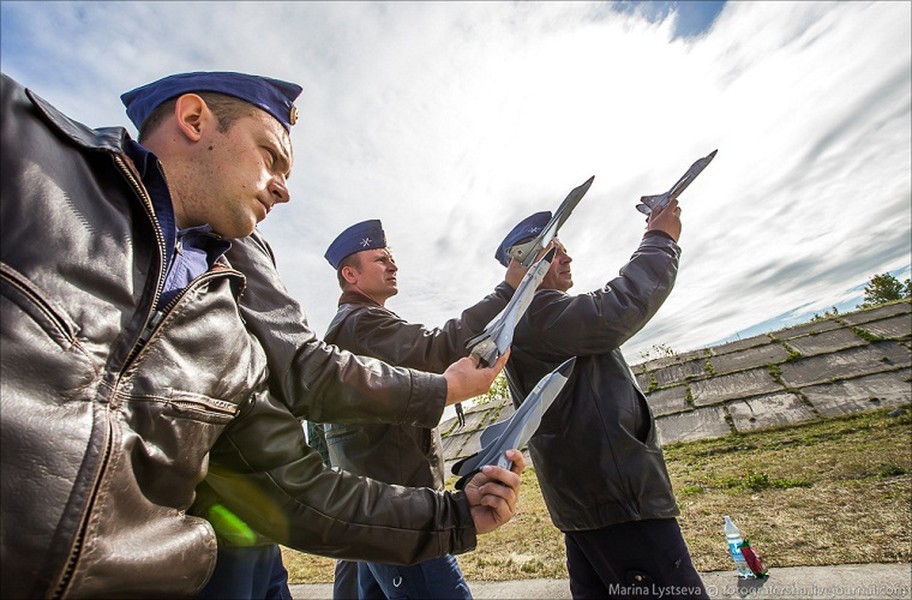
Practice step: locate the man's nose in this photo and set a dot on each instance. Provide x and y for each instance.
(279, 191)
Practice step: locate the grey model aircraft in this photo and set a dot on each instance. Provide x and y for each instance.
(526, 252)
(650, 203)
(493, 341)
(516, 431)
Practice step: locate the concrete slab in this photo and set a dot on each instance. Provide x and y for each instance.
(848, 364)
(749, 358)
(699, 424)
(678, 373)
(769, 411)
(826, 342)
(864, 393)
(806, 328)
(669, 400)
(656, 363)
(881, 312)
(893, 328)
(757, 340)
(733, 386)
(471, 445)
(453, 445)
(477, 418)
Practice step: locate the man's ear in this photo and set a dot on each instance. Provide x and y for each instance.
(349, 274)
(193, 115)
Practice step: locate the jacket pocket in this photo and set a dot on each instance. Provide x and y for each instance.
(197, 407)
(35, 303)
(644, 425)
(168, 438)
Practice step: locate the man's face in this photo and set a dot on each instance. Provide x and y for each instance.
(375, 274)
(558, 276)
(242, 174)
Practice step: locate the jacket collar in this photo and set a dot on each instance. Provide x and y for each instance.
(106, 138)
(356, 297)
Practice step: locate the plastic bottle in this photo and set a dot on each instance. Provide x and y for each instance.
(733, 535)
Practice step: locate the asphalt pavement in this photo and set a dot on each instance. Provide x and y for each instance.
(836, 582)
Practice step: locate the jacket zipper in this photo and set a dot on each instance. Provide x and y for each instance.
(67, 575)
(155, 317)
(152, 321)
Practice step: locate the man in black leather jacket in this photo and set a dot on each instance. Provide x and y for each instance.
(129, 376)
(401, 454)
(600, 466)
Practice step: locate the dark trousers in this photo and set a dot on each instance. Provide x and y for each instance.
(248, 573)
(345, 581)
(639, 559)
(437, 578)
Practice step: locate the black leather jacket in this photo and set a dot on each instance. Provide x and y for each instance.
(596, 453)
(110, 408)
(403, 454)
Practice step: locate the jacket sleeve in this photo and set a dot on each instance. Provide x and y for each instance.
(559, 325)
(378, 332)
(317, 381)
(266, 474)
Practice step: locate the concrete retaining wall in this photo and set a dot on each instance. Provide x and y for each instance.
(835, 366)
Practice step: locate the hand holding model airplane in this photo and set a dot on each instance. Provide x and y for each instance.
(650, 203)
(516, 431)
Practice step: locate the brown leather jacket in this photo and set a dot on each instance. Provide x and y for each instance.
(403, 454)
(110, 408)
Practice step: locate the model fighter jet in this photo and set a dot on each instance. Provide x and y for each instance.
(516, 431)
(650, 203)
(497, 336)
(490, 344)
(526, 253)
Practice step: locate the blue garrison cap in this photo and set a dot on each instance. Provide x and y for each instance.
(525, 230)
(274, 96)
(365, 235)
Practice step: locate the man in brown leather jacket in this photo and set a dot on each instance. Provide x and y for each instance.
(128, 375)
(401, 454)
(598, 461)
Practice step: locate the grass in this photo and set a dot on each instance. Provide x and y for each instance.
(830, 492)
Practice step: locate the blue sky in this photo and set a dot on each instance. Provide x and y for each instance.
(451, 121)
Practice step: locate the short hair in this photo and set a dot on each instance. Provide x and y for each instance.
(352, 260)
(227, 109)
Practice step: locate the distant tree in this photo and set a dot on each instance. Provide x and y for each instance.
(885, 288)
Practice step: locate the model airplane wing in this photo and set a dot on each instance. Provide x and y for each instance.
(493, 341)
(526, 252)
(516, 431)
(650, 203)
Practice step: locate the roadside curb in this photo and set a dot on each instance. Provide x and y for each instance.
(836, 582)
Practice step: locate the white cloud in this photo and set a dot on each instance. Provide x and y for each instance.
(451, 121)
